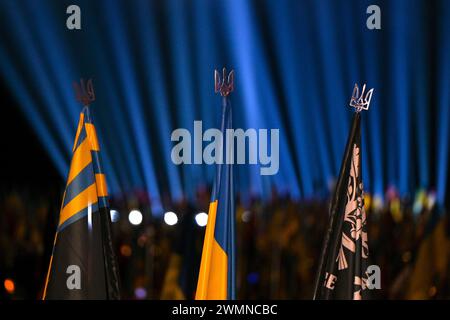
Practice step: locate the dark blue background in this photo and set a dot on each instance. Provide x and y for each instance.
(295, 66)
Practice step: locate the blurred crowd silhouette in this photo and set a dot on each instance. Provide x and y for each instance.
(278, 244)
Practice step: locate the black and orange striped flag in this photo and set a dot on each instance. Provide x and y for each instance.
(83, 264)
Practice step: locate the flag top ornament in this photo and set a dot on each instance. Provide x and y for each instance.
(217, 276)
(344, 258)
(226, 85)
(358, 101)
(83, 264)
(84, 92)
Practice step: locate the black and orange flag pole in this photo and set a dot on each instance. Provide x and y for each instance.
(83, 264)
(344, 256)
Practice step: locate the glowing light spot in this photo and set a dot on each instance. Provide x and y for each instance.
(135, 217)
(201, 219)
(170, 218)
(9, 285)
(115, 215)
(125, 250)
(140, 293)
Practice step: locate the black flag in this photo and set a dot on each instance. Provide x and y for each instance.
(343, 265)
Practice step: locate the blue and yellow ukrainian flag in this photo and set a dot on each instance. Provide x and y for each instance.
(217, 277)
(83, 264)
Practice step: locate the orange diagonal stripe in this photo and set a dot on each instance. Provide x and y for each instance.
(81, 158)
(100, 180)
(80, 126)
(92, 134)
(81, 201)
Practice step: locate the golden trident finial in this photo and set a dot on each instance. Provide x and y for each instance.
(84, 92)
(359, 102)
(222, 86)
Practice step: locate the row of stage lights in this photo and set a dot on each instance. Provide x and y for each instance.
(170, 218)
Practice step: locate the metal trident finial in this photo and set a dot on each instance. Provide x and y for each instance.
(224, 87)
(359, 102)
(84, 92)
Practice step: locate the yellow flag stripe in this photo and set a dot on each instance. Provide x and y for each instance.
(218, 284)
(102, 190)
(212, 280)
(81, 158)
(205, 265)
(80, 126)
(80, 202)
(92, 135)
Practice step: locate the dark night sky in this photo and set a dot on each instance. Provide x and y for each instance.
(24, 161)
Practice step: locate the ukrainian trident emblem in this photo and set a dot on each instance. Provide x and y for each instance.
(359, 101)
(225, 85)
(84, 92)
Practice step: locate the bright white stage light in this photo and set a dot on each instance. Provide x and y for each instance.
(135, 217)
(201, 219)
(115, 215)
(170, 218)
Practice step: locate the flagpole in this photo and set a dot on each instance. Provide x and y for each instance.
(225, 87)
(85, 94)
(359, 102)
(217, 278)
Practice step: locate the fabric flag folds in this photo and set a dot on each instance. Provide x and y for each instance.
(343, 265)
(217, 276)
(83, 264)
